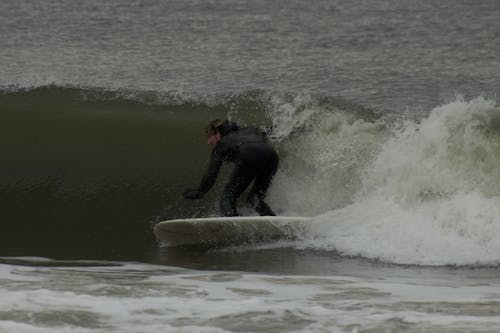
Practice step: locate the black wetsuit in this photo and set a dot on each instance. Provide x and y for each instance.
(255, 161)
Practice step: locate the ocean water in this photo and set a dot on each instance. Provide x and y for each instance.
(385, 117)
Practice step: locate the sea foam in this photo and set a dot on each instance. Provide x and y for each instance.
(429, 194)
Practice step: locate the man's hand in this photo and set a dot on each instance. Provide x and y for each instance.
(192, 194)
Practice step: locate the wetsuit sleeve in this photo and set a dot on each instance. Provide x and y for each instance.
(210, 176)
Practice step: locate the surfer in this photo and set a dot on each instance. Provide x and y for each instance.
(255, 161)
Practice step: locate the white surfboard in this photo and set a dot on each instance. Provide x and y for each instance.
(228, 231)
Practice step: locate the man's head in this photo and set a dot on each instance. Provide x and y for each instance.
(213, 132)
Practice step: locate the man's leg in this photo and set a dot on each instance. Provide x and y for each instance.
(259, 189)
(238, 182)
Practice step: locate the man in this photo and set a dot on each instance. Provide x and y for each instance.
(255, 161)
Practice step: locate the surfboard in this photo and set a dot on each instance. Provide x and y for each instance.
(228, 231)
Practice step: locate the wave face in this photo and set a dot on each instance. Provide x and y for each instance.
(84, 165)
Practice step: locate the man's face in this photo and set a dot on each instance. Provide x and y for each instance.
(213, 139)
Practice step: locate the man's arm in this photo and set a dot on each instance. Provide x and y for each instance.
(209, 178)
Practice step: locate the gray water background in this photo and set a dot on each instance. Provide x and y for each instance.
(383, 54)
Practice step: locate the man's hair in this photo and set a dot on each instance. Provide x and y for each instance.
(213, 127)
